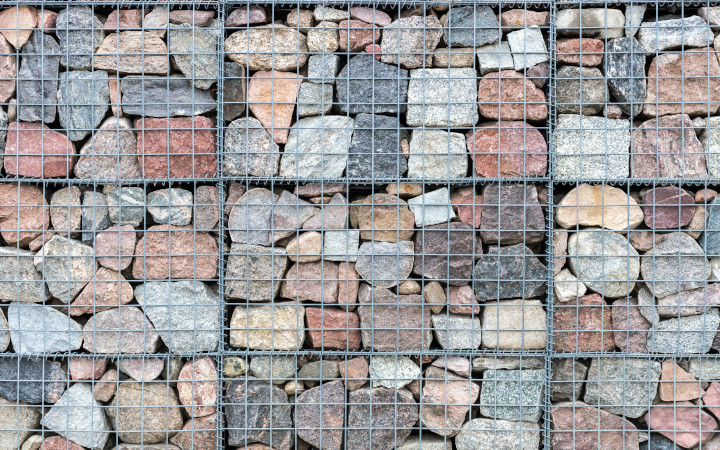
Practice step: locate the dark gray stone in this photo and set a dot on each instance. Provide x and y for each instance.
(580, 90)
(83, 100)
(258, 412)
(625, 72)
(194, 51)
(38, 79)
(470, 26)
(94, 215)
(31, 380)
(568, 377)
(375, 148)
(320, 415)
(365, 85)
(380, 418)
(234, 91)
(657, 441)
(126, 205)
(509, 272)
(444, 252)
(319, 370)
(249, 149)
(163, 97)
(710, 239)
(80, 34)
(276, 369)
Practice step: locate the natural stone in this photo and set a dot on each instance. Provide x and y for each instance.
(408, 42)
(508, 95)
(83, 98)
(18, 421)
(585, 52)
(692, 31)
(68, 264)
(249, 149)
(487, 434)
(638, 378)
(94, 215)
(126, 205)
(370, 15)
(329, 14)
(289, 214)
(314, 99)
(193, 17)
(206, 208)
(568, 377)
(141, 369)
(271, 97)
(442, 98)
(507, 149)
(274, 47)
(17, 23)
(128, 410)
(453, 57)
(80, 33)
(437, 154)
(692, 334)
(580, 90)
(331, 216)
(111, 153)
(258, 412)
(194, 52)
(24, 282)
(432, 208)
(678, 261)
(522, 18)
(234, 90)
(277, 369)
(511, 214)
(528, 47)
(319, 370)
(366, 85)
(198, 433)
(678, 385)
(197, 387)
(456, 332)
(348, 286)
(250, 217)
(577, 425)
(630, 326)
(598, 206)
(567, 287)
(37, 80)
(115, 247)
(514, 325)
(324, 38)
(682, 422)
(173, 206)
(380, 417)
(105, 387)
(314, 281)
(124, 18)
(106, 290)
(508, 272)
(393, 372)
(153, 96)
(679, 211)
(446, 400)
(634, 16)
(133, 52)
(341, 245)
(177, 252)
(307, 247)
(521, 388)
(355, 35)
(355, 372)
(34, 150)
(268, 327)
(625, 72)
(120, 330)
(471, 26)
(20, 225)
(591, 22)
(494, 57)
(31, 380)
(481, 364)
(385, 217)
(385, 264)
(296, 18)
(375, 148)
(583, 325)
(320, 415)
(78, 417)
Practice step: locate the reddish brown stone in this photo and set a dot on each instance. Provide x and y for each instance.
(115, 247)
(370, 15)
(8, 71)
(82, 368)
(46, 20)
(196, 17)
(177, 147)
(141, 369)
(446, 400)
(508, 95)
(175, 252)
(271, 97)
(682, 422)
(578, 426)
(385, 217)
(34, 150)
(704, 196)
(355, 372)
(198, 387)
(468, 206)
(199, 433)
(375, 50)
(677, 385)
(461, 300)
(667, 147)
(355, 35)
(711, 399)
(332, 328)
(115, 98)
(584, 52)
(583, 325)
(508, 149)
(104, 389)
(59, 443)
(246, 15)
(314, 281)
(320, 415)
(108, 289)
(678, 212)
(630, 326)
(124, 19)
(22, 207)
(349, 281)
(523, 18)
(686, 82)
(17, 23)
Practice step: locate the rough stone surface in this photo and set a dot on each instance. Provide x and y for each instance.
(141, 369)
(508, 95)
(630, 326)
(625, 72)
(133, 52)
(445, 253)
(83, 98)
(471, 26)
(592, 147)
(198, 433)
(249, 327)
(307, 247)
(521, 388)
(678, 385)
(20, 225)
(115, 247)
(154, 96)
(393, 372)
(692, 334)
(17, 23)
(679, 211)
(598, 206)
(309, 154)
(493, 57)
(456, 332)
(568, 377)
(385, 264)
(437, 154)
(522, 18)
(250, 217)
(686, 32)
(258, 412)
(409, 41)
(634, 16)
(682, 422)
(277, 369)
(67, 264)
(18, 423)
(710, 239)
(94, 215)
(366, 85)
(446, 400)
(324, 38)
(577, 425)
(234, 90)
(289, 214)
(392, 322)
(605, 261)
(129, 408)
(591, 22)
(385, 217)
(314, 281)
(111, 153)
(314, 99)
(31, 380)
(198, 387)
(206, 212)
(375, 148)
(623, 386)
(676, 264)
(340, 245)
(355, 35)
(194, 52)
(380, 418)
(580, 90)
(320, 415)
(78, 417)
(34, 150)
(583, 325)
(80, 33)
(508, 272)
(667, 147)
(432, 208)
(488, 434)
(528, 47)
(511, 214)
(585, 52)
(271, 98)
(173, 206)
(120, 330)
(23, 282)
(191, 303)
(106, 290)
(508, 149)
(37, 79)
(274, 47)
(126, 205)
(453, 57)
(355, 372)
(522, 325)
(442, 98)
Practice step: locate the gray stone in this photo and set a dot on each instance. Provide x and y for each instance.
(656, 441)
(94, 215)
(646, 305)
(249, 221)
(704, 368)
(385, 264)
(20, 281)
(323, 68)
(692, 334)
(494, 57)
(710, 239)
(623, 386)
(365, 85)
(42, 329)
(711, 15)
(605, 261)
(664, 35)
(65, 213)
(528, 47)
(83, 100)
(710, 139)
(258, 412)
(111, 153)
(592, 22)
(625, 72)
(393, 372)
(126, 205)
(445, 253)
(67, 265)
(331, 216)
(320, 415)
(319, 370)
(409, 42)
(184, 313)
(493, 434)
(437, 154)
(523, 389)
(289, 214)
(18, 423)
(633, 18)
(78, 417)
(80, 34)
(234, 90)
(173, 206)
(592, 148)
(195, 52)
(249, 150)
(341, 245)
(314, 99)
(580, 90)
(457, 332)
(375, 150)
(275, 369)
(38, 79)
(153, 96)
(568, 377)
(442, 98)
(509, 272)
(317, 147)
(380, 418)
(31, 380)
(471, 26)
(432, 208)
(676, 263)
(446, 400)
(129, 410)
(254, 272)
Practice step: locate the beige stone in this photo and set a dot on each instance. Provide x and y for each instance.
(408, 287)
(453, 57)
(601, 205)
(306, 247)
(697, 224)
(17, 24)
(274, 47)
(567, 286)
(268, 327)
(435, 296)
(678, 385)
(324, 38)
(139, 53)
(514, 325)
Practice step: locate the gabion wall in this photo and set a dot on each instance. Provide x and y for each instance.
(345, 225)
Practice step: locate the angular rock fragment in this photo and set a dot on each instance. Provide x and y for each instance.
(268, 327)
(508, 272)
(366, 85)
(259, 412)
